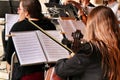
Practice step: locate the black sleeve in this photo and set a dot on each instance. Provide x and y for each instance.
(73, 66)
(50, 26)
(54, 1)
(9, 50)
(47, 24)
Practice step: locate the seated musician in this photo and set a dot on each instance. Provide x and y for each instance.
(83, 8)
(28, 10)
(97, 57)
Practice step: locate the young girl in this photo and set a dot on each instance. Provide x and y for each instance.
(98, 56)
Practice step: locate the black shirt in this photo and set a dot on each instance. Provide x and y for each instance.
(10, 49)
(84, 65)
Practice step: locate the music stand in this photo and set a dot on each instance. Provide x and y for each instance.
(55, 10)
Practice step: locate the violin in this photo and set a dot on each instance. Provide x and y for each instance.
(82, 12)
(77, 36)
(75, 44)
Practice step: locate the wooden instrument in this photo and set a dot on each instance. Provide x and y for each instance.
(76, 43)
(82, 12)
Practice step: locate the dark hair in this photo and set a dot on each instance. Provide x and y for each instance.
(33, 7)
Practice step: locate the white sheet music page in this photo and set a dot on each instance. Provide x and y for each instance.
(53, 50)
(67, 27)
(80, 26)
(55, 34)
(29, 50)
(10, 20)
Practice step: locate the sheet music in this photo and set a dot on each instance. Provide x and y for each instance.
(53, 50)
(80, 26)
(28, 48)
(10, 20)
(34, 47)
(69, 26)
(56, 34)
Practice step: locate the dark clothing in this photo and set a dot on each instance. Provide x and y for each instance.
(26, 26)
(85, 65)
(54, 1)
(91, 5)
(71, 11)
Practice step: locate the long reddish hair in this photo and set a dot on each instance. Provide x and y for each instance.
(102, 30)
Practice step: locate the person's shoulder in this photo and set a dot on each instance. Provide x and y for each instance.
(88, 46)
(20, 22)
(46, 20)
(89, 49)
(48, 24)
(85, 47)
(18, 25)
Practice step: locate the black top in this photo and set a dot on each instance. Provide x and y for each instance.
(54, 1)
(26, 26)
(91, 5)
(85, 65)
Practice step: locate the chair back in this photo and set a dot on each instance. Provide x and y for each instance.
(13, 60)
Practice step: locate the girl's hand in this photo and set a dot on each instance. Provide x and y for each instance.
(71, 55)
(8, 68)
